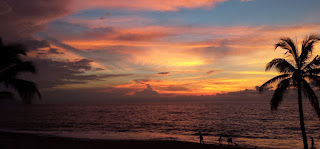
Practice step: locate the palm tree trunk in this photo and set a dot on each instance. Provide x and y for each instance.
(303, 130)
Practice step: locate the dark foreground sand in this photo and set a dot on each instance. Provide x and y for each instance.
(32, 141)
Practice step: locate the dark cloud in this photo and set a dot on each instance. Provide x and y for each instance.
(100, 55)
(105, 15)
(163, 73)
(62, 45)
(54, 51)
(81, 64)
(141, 81)
(98, 69)
(110, 56)
(174, 88)
(22, 18)
(36, 45)
(148, 92)
(212, 71)
(33, 44)
(102, 18)
(52, 73)
(114, 75)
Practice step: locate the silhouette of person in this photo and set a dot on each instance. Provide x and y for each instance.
(201, 138)
(229, 140)
(220, 140)
(312, 143)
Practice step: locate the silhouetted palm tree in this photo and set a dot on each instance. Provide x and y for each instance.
(296, 73)
(11, 65)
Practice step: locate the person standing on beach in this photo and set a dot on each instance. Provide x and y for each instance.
(220, 140)
(201, 138)
(229, 140)
(312, 143)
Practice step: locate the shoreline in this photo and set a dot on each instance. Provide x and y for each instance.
(12, 140)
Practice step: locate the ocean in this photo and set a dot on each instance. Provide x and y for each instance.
(249, 124)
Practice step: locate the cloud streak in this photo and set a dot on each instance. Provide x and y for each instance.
(53, 73)
(154, 5)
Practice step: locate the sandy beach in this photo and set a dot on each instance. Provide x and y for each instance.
(23, 141)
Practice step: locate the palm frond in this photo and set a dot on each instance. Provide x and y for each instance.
(307, 47)
(281, 65)
(313, 64)
(26, 89)
(277, 97)
(264, 86)
(9, 54)
(288, 44)
(6, 95)
(313, 71)
(309, 93)
(16, 49)
(14, 70)
(11, 65)
(314, 78)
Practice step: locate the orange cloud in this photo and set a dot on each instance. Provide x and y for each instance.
(155, 50)
(167, 57)
(241, 52)
(158, 5)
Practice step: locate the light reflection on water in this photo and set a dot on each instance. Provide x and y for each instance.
(248, 123)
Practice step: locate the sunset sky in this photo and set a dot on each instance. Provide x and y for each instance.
(154, 47)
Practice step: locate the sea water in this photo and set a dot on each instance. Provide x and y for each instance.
(249, 124)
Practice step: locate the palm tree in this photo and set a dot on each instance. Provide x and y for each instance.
(296, 73)
(11, 65)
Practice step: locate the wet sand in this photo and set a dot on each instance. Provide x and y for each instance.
(10, 140)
